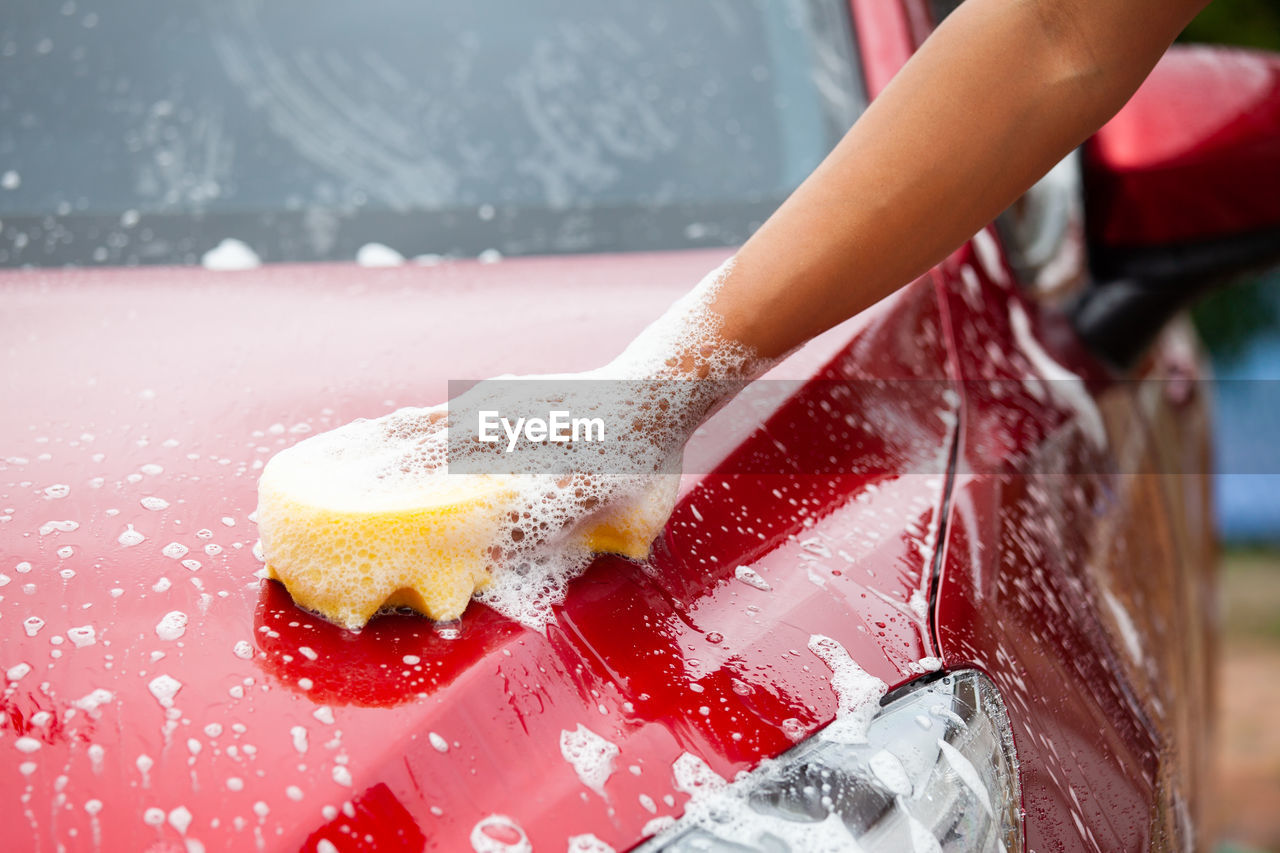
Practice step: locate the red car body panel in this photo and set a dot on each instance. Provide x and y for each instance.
(1192, 155)
(1077, 531)
(178, 384)
(676, 656)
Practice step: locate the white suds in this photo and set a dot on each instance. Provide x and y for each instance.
(164, 688)
(26, 744)
(66, 526)
(378, 255)
(174, 550)
(714, 802)
(888, 768)
(499, 834)
(85, 635)
(90, 702)
(230, 254)
(130, 537)
(588, 843)
(590, 756)
(180, 819)
(172, 625)
(751, 577)
(857, 692)
(967, 773)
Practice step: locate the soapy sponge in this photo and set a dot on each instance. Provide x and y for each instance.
(361, 518)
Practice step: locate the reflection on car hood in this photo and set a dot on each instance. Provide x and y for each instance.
(158, 690)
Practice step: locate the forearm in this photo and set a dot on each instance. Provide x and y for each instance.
(1001, 92)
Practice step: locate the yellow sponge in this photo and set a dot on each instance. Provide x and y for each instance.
(347, 541)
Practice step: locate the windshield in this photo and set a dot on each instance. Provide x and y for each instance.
(143, 131)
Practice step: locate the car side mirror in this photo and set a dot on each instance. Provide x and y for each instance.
(1182, 193)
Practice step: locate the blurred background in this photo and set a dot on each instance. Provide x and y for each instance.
(1241, 327)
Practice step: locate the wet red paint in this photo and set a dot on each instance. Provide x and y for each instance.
(205, 375)
(1193, 155)
(1045, 525)
(190, 370)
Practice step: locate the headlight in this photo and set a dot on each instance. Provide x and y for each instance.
(937, 773)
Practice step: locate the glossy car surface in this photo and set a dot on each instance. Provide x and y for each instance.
(951, 478)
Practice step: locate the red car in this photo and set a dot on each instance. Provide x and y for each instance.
(952, 590)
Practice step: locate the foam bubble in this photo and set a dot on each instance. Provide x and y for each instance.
(230, 254)
(180, 819)
(174, 550)
(499, 834)
(378, 255)
(172, 625)
(90, 702)
(27, 745)
(590, 756)
(85, 635)
(588, 843)
(752, 578)
(164, 688)
(857, 692)
(130, 537)
(58, 526)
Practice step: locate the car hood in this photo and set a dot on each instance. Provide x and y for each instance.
(159, 691)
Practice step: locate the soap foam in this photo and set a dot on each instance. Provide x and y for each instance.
(366, 516)
(590, 756)
(230, 254)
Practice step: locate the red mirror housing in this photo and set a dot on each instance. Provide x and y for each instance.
(1193, 157)
(1182, 193)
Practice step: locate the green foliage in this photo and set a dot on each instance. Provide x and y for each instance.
(1229, 319)
(1245, 23)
